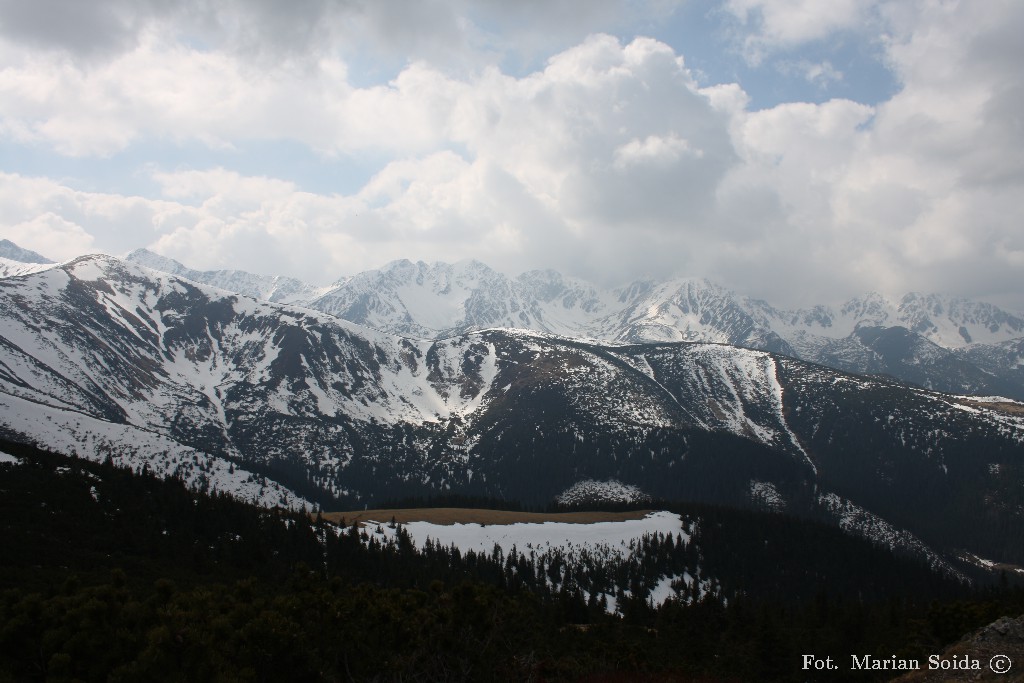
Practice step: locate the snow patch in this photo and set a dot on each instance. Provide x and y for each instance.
(611, 537)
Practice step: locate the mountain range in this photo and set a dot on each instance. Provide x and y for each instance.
(290, 405)
(933, 341)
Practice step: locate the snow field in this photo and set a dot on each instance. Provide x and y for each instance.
(526, 536)
(608, 540)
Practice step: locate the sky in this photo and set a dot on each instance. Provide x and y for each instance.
(792, 150)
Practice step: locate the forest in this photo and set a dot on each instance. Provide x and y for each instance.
(113, 575)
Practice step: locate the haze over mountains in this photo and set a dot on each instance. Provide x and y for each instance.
(937, 342)
(290, 405)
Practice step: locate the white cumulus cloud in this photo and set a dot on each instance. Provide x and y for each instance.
(606, 161)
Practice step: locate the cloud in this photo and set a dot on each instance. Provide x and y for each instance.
(61, 222)
(87, 30)
(547, 173)
(776, 25)
(36, 215)
(914, 193)
(606, 138)
(386, 34)
(653, 149)
(607, 161)
(821, 74)
(51, 234)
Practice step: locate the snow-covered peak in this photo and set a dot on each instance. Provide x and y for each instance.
(549, 287)
(872, 309)
(149, 259)
(274, 288)
(438, 272)
(11, 251)
(94, 267)
(955, 323)
(682, 309)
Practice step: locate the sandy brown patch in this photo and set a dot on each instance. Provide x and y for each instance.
(478, 516)
(1000, 406)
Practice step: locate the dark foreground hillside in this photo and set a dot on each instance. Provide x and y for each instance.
(110, 575)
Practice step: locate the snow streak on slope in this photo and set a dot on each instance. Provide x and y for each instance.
(746, 378)
(72, 433)
(776, 389)
(860, 522)
(722, 388)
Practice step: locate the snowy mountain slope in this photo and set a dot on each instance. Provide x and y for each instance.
(929, 340)
(958, 323)
(277, 289)
(860, 522)
(949, 322)
(1004, 360)
(333, 411)
(895, 452)
(11, 267)
(208, 368)
(687, 310)
(443, 300)
(17, 261)
(68, 431)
